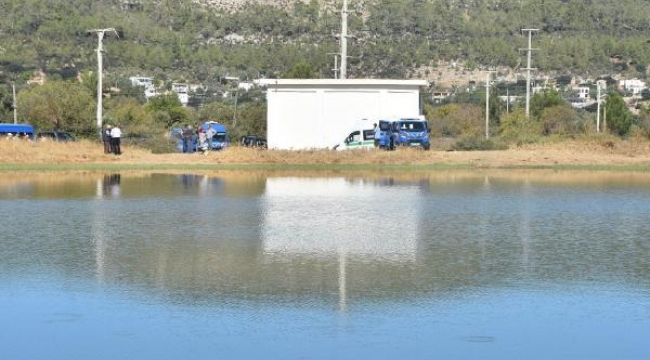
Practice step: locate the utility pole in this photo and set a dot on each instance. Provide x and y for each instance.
(335, 69)
(14, 105)
(528, 68)
(487, 105)
(100, 37)
(344, 41)
(598, 86)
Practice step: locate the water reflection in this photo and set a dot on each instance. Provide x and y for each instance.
(430, 253)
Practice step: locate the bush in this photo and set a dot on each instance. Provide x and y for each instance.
(516, 128)
(475, 142)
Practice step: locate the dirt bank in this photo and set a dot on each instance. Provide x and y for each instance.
(567, 153)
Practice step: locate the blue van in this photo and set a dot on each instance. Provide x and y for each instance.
(219, 140)
(20, 130)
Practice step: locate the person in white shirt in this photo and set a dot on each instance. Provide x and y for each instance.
(116, 134)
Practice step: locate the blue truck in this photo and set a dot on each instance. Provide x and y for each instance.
(403, 132)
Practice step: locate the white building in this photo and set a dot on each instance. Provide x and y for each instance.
(635, 86)
(182, 91)
(583, 92)
(319, 113)
(141, 81)
(147, 83)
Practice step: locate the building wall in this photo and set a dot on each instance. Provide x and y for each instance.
(311, 114)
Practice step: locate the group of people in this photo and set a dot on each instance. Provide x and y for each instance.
(199, 137)
(112, 138)
(17, 136)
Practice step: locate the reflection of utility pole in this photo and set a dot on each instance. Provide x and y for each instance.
(100, 36)
(529, 50)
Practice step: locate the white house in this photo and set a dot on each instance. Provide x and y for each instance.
(141, 81)
(182, 91)
(319, 113)
(583, 92)
(635, 86)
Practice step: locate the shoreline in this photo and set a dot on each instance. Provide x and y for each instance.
(588, 155)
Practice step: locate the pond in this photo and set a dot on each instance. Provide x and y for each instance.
(448, 265)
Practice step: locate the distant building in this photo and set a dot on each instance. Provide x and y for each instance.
(141, 81)
(583, 92)
(319, 113)
(635, 86)
(182, 91)
(147, 83)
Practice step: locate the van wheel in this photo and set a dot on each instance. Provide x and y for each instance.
(427, 147)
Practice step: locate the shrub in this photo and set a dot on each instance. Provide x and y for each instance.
(516, 128)
(475, 142)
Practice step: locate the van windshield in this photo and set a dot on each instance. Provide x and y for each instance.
(412, 126)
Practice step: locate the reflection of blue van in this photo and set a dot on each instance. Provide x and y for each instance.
(19, 130)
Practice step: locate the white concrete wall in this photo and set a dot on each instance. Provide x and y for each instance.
(307, 114)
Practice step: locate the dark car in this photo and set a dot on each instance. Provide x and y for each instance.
(56, 136)
(253, 141)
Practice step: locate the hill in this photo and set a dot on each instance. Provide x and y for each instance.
(204, 41)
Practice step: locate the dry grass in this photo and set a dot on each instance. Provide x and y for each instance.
(577, 152)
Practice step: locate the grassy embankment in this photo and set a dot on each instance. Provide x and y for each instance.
(583, 154)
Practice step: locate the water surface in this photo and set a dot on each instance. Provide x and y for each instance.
(447, 265)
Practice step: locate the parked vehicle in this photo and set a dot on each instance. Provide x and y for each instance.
(20, 130)
(411, 132)
(384, 138)
(218, 141)
(253, 141)
(362, 138)
(56, 136)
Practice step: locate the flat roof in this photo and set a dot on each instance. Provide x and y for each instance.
(346, 82)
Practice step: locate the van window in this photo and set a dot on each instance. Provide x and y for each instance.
(384, 125)
(368, 134)
(413, 126)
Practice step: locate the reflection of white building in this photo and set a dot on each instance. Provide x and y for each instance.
(330, 216)
(182, 91)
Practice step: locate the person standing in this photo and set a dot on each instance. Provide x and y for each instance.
(106, 139)
(377, 134)
(187, 135)
(116, 135)
(203, 141)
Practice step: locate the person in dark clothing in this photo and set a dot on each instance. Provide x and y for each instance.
(106, 139)
(188, 135)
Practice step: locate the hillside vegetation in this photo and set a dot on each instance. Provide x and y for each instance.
(207, 42)
(201, 42)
